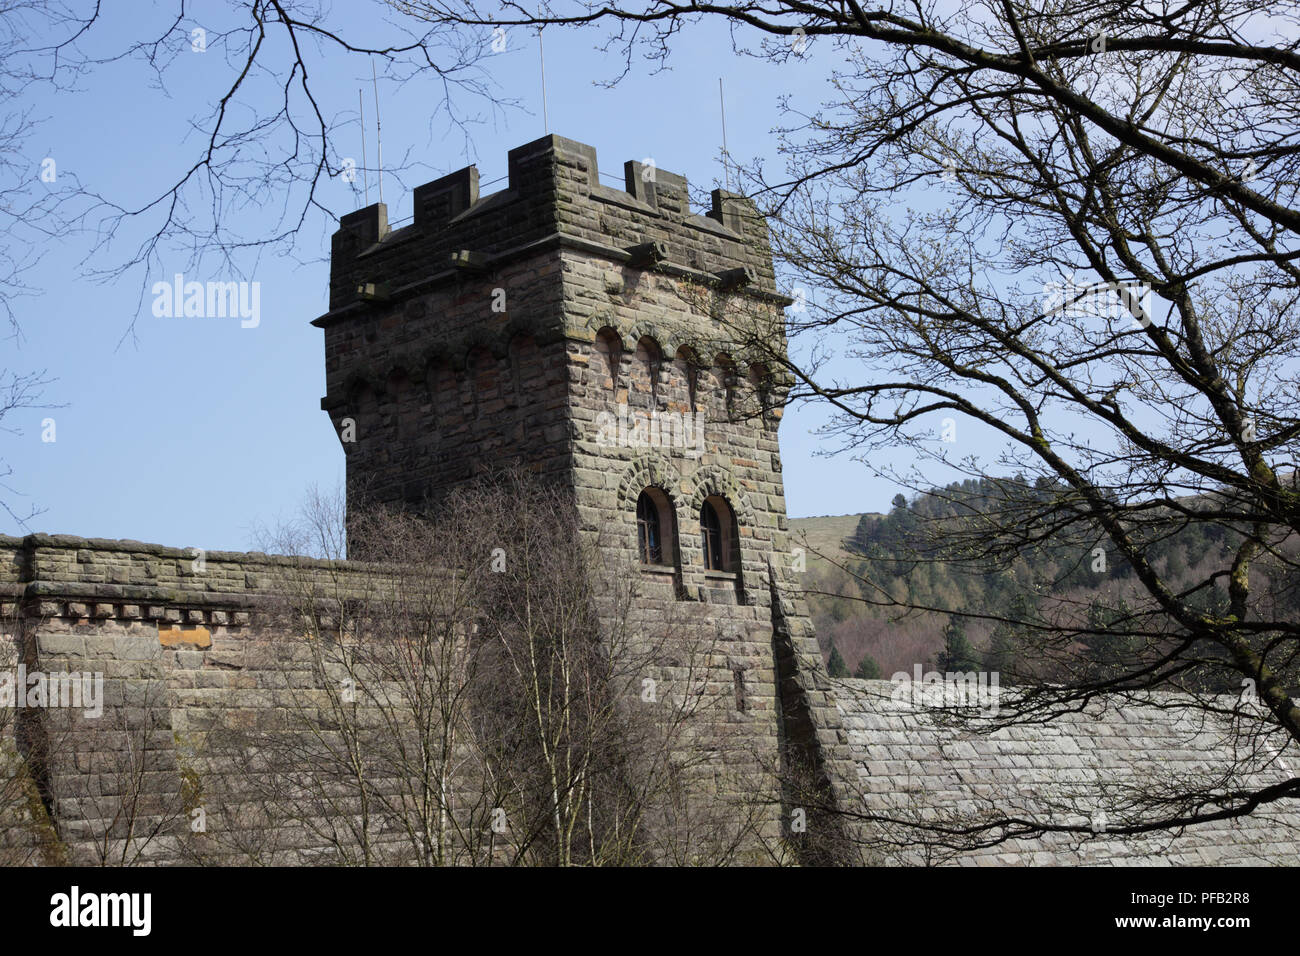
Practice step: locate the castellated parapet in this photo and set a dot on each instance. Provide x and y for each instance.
(554, 196)
(586, 333)
(559, 324)
(455, 339)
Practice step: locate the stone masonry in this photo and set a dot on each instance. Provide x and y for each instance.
(558, 324)
(569, 328)
(573, 328)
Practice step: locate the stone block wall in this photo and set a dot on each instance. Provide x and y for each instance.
(182, 643)
(575, 328)
(211, 702)
(435, 392)
(194, 655)
(1099, 767)
(654, 363)
(548, 325)
(445, 343)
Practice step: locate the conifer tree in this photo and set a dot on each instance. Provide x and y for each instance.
(836, 666)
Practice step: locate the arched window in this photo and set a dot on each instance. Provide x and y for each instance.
(650, 359)
(649, 530)
(725, 374)
(711, 531)
(481, 368)
(400, 405)
(525, 366)
(610, 346)
(688, 367)
(443, 396)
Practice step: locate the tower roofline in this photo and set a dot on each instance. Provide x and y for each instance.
(553, 195)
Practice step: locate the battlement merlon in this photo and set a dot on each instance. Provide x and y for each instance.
(554, 195)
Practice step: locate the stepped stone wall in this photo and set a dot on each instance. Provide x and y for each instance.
(1083, 768)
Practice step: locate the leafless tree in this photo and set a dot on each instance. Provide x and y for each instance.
(124, 808)
(467, 690)
(19, 391)
(1070, 229)
(27, 835)
(31, 210)
(271, 139)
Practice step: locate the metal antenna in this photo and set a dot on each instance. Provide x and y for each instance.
(365, 177)
(379, 135)
(726, 170)
(541, 52)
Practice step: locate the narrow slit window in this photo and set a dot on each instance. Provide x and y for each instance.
(647, 530)
(711, 531)
(738, 685)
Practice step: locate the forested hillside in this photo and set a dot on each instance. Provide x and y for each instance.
(929, 552)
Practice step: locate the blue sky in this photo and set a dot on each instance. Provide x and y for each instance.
(196, 431)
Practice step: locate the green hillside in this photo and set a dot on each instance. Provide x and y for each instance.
(941, 549)
(831, 535)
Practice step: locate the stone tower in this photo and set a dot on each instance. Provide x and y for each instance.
(582, 330)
